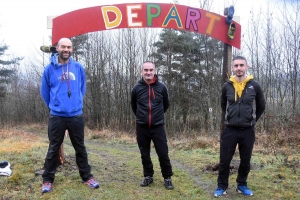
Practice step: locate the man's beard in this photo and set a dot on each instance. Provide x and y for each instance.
(240, 74)
(64, 58)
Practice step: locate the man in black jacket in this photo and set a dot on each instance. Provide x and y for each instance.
(243, 102)
(149, 102)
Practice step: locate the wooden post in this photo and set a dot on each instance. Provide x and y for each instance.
(61, 155)
(227, 58)
(61, 159)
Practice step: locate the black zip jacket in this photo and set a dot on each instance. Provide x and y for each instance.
(247, 109)
(149, 103)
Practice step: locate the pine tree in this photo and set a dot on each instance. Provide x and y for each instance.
(6, 72)
(190, 65)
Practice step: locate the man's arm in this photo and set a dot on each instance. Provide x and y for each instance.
(45, 87)
(166, 98)
(223, 98)
(133, 100)
(260, 101)
(83, 81)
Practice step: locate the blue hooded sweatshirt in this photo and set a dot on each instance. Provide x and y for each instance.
(57, 80)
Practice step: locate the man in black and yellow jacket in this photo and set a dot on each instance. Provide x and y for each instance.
(243, 102)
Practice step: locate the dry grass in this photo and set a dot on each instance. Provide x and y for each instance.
(283, 141)
(280, 142)
(15, 141)
(108, 135)
(188, 142)
(113, 164)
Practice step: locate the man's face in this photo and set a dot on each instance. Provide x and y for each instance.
(148, 71)
(65, 49)
(239, 68)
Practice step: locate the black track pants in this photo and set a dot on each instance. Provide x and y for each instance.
(56, 132)
(158, 136)
(231, 137)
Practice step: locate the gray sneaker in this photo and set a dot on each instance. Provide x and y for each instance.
(168, 184)
(147, 181)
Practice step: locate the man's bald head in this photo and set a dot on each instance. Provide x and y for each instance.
(65, 49)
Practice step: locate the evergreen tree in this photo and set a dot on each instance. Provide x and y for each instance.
(6, 73)
(190, 65)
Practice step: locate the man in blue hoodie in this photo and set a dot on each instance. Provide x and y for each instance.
(63, 88)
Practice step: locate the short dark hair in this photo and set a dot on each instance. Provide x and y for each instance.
(239, 58)
(147, 61)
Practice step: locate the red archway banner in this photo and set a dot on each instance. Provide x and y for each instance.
(143, 15)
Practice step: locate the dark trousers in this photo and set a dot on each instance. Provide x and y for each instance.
(157, 134)
(56, 132)
(231, 137)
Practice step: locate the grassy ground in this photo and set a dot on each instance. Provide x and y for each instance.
(116, 164)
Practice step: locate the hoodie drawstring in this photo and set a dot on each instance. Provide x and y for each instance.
(66, 76)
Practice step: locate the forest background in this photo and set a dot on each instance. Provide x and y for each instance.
(188, 63)
(191, 67)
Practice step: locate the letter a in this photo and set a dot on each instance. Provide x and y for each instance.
(173, 15)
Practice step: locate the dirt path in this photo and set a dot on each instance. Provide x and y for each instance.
(111, 165)
(118, 164)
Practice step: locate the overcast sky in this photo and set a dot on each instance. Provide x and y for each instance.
(23, 24)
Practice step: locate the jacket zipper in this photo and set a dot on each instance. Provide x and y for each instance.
(240, 99)
(150, 106)
(153, 93)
